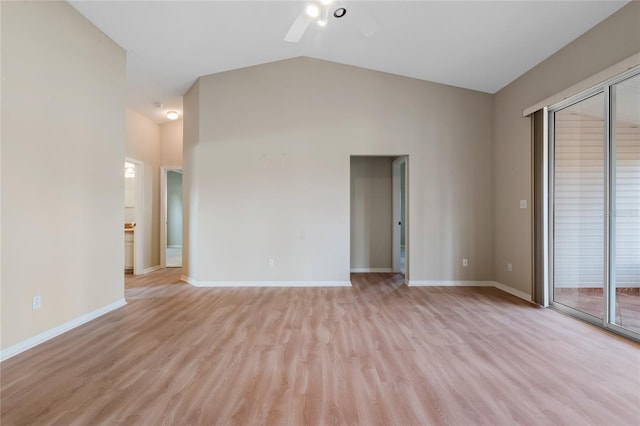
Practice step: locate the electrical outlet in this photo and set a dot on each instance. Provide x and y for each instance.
(270, 263)
(465, 262)
(509, 267)
(36, 302)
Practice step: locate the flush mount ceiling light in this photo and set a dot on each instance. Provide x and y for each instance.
(173, 115)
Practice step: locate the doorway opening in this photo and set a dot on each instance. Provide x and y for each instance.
(133, 216)
(171, 220)
(378, 230)
(399, 214)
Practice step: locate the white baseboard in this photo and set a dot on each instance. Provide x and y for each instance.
(196, 283)
(370, 270)
(521, 294)
(416, 283)
(56, 331)
(151, 269)
(441, 283)
(174, 246)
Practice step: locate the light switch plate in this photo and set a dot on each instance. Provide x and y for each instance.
(523, 204)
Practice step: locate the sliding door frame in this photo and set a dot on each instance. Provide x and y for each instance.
(609, 289)
(551, 191)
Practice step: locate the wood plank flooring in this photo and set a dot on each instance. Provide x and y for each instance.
(376, 353)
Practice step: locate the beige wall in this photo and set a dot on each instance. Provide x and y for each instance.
(611, 41)
(191, 135)
(371, 212)
(171, 143)
(266, 158)
(143, 144)
(63, 132)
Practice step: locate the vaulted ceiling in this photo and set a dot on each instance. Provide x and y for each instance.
(480, 45)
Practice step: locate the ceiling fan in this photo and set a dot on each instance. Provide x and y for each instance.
(320, 12)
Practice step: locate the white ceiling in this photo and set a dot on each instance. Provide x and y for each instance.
(480, 45)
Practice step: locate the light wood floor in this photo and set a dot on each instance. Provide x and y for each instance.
(376, 353)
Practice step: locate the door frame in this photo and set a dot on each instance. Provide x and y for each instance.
(163, 211)
(397, 208)
(138, 229)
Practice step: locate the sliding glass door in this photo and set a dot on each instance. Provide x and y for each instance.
(625, 202)
(595, 205)
(579, 203)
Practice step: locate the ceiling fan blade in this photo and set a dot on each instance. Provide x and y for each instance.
(298, 28)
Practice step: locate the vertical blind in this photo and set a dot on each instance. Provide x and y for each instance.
(539, 212)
